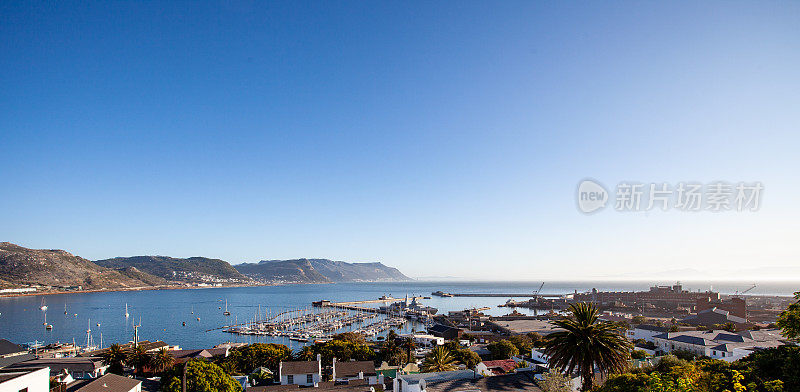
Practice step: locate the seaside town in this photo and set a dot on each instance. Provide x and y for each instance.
(595, 340)
(399, 196)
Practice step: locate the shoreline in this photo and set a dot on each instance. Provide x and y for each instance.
(172, 287)
(175, 287)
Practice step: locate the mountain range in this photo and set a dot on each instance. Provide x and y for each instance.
(319, 271)
(57, 268)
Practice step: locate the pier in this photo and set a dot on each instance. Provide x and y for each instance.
(522, 295)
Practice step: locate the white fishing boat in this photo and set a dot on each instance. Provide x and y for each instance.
(126, 311)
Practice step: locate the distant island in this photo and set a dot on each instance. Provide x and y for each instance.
(24, 270)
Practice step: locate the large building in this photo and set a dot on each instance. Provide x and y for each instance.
(666, 297)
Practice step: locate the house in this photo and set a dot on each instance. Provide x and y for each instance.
(713, 316)
(107, 383)
(25, 380)
(356, 370)
(77, 367)
(306, 373)
(445, 331)
(645, 332)
(521, 381)
(418, 382)
(11, 353)
(424, 340)
(496, 368)
(724, 345)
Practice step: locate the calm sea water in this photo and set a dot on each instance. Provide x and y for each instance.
(162, 312)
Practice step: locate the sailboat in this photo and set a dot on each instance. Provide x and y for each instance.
(226, 312)
(44, 306)
(46, 325)
(126, 311)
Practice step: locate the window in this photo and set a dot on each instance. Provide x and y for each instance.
(309, 378)
(290, 379)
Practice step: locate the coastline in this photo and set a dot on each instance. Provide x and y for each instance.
(171, 287)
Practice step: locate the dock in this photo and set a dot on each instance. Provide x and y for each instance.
(506, 295)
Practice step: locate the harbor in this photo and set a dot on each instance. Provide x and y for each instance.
(325, 318)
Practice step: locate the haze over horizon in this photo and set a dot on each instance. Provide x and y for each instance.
(440, 140)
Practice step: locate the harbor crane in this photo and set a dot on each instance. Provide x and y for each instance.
(743, 292)
(537, 292)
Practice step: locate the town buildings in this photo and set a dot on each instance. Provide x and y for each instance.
(718, 344)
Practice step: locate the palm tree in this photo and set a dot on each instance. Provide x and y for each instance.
(114, 358)
(586, 344)
(391, 352)
(138, 358)
(439, 360)
(409, 345)
(161, 361)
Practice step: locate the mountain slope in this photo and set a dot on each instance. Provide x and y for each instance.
(58, 268)
(319, 271)
(192, 269)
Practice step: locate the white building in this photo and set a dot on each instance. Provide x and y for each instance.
(27, 380)
(424, 340)
(645, 332)
(306, 373)
(718, 344)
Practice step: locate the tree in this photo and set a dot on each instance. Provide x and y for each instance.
(138, 358)
(586, 344)
(345, 350)
(161, 361)
(115, 359)
(305, 354)
(789, 320)
(391, 352)
(409, 345)
(503, 349)
(201, 376)
(438, 360)
(246, 358)
(522, 342)
(469, 358)
(535, 338)
(553, 381)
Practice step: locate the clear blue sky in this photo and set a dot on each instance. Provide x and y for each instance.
(444, 138)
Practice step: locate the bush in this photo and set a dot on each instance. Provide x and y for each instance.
(639, 354)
